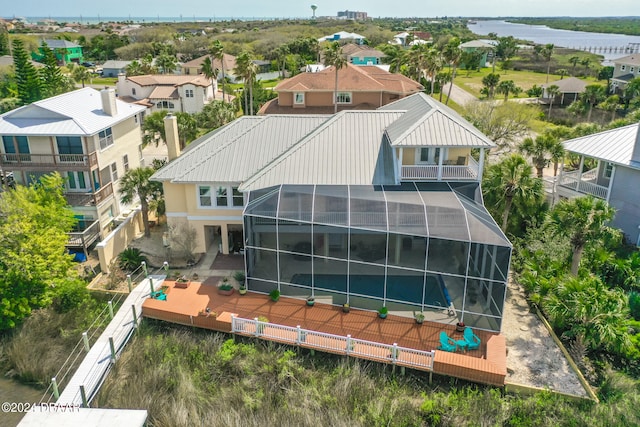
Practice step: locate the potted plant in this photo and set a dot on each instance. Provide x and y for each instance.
(182, 282)
(225, 287)
(274, 295)
(242, 289)
(382, 312)
(460, 327)
(310, 301)
(240, 277)
(419, 316)
(195, 276)
(345, 307)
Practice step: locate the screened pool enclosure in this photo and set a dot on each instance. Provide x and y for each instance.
(429, 247)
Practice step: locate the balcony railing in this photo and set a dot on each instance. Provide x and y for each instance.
(90, 199)
(570, 180)
(446, 172)
(33, 162)
(83, 239)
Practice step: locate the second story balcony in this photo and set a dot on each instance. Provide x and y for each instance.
(461, 169)
(90, 198)
(57, 162)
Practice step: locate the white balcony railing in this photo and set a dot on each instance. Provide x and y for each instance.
(468, 172)
(570, 180)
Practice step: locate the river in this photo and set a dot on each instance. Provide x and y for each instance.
(541, 34)
(14, 392)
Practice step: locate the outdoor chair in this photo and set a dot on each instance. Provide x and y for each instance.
(473, 342)
(447, 343)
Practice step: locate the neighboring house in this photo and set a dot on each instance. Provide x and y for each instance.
(186, 94)
(362, 54)
(64, 50)
(112, 68)
(194, 67)
(369, 208)
(625, 69)
(615, 178)
(478, 45)
(570, 90)
(359, 87)
(343, 36)
(89, 137)
(411, 39)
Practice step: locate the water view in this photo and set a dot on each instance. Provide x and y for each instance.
(11, 391)
(542, 34)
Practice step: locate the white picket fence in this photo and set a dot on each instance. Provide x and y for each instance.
(347, 345)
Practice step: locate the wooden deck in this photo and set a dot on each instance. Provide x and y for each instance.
(486, 364)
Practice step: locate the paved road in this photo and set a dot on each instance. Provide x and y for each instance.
(459, 96)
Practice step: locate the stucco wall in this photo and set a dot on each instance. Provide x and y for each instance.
(119, 239)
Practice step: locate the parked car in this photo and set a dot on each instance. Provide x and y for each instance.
(87, 64)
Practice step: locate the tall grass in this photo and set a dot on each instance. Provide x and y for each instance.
(189, 377)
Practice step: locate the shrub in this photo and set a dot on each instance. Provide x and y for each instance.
(225, 287)
(239, 276)
(274, 295)
(130, 259)
(634, 305)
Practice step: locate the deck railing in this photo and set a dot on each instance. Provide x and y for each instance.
(467, 172)
(388, 353)
(570, 180)
(20, 161)
(84, 238)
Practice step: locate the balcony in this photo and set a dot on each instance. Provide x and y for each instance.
(90, 199)
(575, 184)
(445, 172)
(84, 238)
(48, 162)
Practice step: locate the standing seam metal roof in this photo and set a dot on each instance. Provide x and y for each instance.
(72, 113)
(615, 145)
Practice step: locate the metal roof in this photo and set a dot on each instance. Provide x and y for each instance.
(240, 149)
(60, 44)
(349, 148)
(72, 113)
(614, 146)
(569, 85)
(112, 63)
(430, 123)
(629, 59)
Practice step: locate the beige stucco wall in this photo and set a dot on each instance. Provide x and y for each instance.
(119, 239)
(182, 205)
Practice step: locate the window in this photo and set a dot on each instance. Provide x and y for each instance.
(135, 118)
(221, 197)
(238, 197)
(133, 91)
(125, 163)
(298, 98)
(16, 148)
(429, 155)
(631, 69)
(70, 148)
(204, 195)
(114, 172)
(608, 170)
(165, 105)
(424, 154)
(623, 67)
(188, 93)
(106, 138)
(76, 181)
(343, 98)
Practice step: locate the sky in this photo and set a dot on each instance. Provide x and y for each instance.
(297, 8)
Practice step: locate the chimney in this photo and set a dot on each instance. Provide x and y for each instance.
(171, 134)
(108, 97)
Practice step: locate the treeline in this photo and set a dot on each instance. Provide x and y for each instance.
(613, 25)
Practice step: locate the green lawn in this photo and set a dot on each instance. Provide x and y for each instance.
(523, 79)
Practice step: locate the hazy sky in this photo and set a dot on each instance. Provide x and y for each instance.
(297, 8)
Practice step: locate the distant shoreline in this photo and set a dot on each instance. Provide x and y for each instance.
(91, 20)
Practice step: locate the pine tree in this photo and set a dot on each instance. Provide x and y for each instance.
(29, 82)
(4, 41)
(52, 79)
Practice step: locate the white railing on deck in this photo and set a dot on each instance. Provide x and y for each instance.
(449, 172)
(388, 353)
(571, 179)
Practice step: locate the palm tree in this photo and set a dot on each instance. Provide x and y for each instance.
(541, 150)
(247, 69)
(216, 49)
(547, 53)
(490, 81)
(81, 74)
(611, 104)
(211, 73)
(134, 69)
(505, 87)
(432, 64)
(281, 53)
(592, 95)
(562, 72)
(510, 183)
(574, 60)
(586, 62)
(333, 57)
(136, 184)
(453, 55)
(582, 220)
(552, 92)
(166, 62)
(392, 56)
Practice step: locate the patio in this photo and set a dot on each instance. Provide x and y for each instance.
(183, 306)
